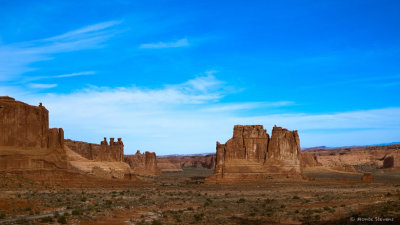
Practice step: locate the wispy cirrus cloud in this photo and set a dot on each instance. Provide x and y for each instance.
(179, 43)
(16, 58)
(42, 86)
(83, 73)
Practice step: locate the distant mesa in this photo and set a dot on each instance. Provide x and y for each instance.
(176, 162)
(252, 155)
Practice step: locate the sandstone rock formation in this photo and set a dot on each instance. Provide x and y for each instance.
(367, 177)
(309, 160)
(112, 152)
(380, 156)
(250, 155)
(26, 142)
(143, 164)
(198, 161)
(165, 165)
(388, 162)
(101, 169)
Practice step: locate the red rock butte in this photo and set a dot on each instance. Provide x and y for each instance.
(26, 141)
(28, 144)
(252, 155)
(143, 164)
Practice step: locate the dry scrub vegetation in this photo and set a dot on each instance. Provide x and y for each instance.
(181, 198)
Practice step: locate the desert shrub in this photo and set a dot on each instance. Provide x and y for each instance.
(77, 211)
(268, 200)
(2, 215)
(177, 218)
(241, 200)
(83, 199)
(198, 217)
(296, 197)
(47, 220)
(62, 220)
(156, 222)
(22, 221)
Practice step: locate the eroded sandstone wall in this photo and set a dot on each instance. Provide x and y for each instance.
(251, 155)
(198, 161)
(380, 156)
(26, 142)
(143, 164)
(109, 152)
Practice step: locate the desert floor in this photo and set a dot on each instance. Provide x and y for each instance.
(329, 197)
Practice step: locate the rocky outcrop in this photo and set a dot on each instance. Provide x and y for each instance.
(284, 150)
(109, 152)
(165, 165)
(251, 155)
(143, 164)
(107, 160)
(27, 145)
(380, 156)
(198, 161)
(26, 141)
(309, 160)
(367, 177)
(388, 162)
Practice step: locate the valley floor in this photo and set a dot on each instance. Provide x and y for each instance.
(181, 198)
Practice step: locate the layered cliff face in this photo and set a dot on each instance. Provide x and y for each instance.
(384, 156)
(251, 155)
(104, 151)
(26, 142)
(166, 164)
(105, 160)
(198, 161)
(143, 164)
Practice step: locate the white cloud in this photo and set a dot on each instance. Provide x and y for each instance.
(42, 86)
(189, 118)
(179, 43)
(84, 73)
(16, 59)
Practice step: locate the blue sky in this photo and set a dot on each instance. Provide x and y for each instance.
(175, 76)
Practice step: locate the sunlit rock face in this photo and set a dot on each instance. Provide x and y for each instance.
(143, 164)
(26, 141)
(252, 155)
(110, 152)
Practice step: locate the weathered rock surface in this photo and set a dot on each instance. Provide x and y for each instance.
(367, 177)
(101, 169)
(309, 160)
(384, 156)
(198, 161)
(104, 151)
(388, 162)
(26, 142)
(143, 164)
(251, 155)
(165, 165)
